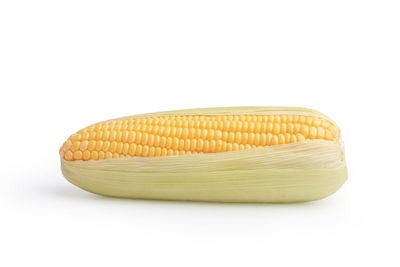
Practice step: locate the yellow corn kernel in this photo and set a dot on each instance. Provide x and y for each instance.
(192, 133)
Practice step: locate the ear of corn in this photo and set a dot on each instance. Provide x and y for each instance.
(248, 154)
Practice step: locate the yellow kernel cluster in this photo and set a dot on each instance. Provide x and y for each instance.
(192, 134)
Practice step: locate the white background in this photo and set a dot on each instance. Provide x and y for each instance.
(67, 64)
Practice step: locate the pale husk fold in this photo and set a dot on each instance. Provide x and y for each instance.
(283, 173)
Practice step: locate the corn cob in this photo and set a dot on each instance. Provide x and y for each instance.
(247, 154)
